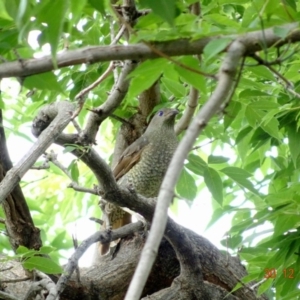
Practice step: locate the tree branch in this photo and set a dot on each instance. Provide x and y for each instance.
(103, 237)
(254, 41)
(61, 114)
(191, 106)
(226, 80)
(119, 90)
(19, 225)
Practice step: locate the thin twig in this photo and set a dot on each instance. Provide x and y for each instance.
(53, 158)
(44, 166)
(160, 53)
(78, 188)
(191, 106)
(96, 220)
(75, 243)
(258, 283)
(289, 85)
(200, 146)
(118, 36)
(103, 237)
(83, 92)
(15, 280)
(6, 269)
(123, 121)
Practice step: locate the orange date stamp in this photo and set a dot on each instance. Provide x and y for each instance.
(272, 273)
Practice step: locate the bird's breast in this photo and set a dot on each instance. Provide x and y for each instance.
(147, 175)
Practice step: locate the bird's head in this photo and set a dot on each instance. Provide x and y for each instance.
(163, 119)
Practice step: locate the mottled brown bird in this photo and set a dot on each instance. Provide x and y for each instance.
(143, 164)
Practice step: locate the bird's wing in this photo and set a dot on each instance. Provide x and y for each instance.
(130, 157)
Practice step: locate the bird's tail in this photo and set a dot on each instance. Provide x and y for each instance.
(114, 218)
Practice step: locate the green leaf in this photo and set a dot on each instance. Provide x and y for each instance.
(73, 168)
(58, 240)
(255, 118)
(281, 31)
(54, 14)
(145, 75)
(232, 242)
(265, 286)
(263, 72)
(2, 104)
(242, 134)
(240, 177)
(196, 164)
(3, 11)
(98, 5)
(291, 3)
(46, 249)
(284, 223)
(232, 111)
(166, 9)
(221, 20)
(214, 184)
(186, 185)
(196, 80)
(22, 250)
(264, 105)
(246, 93)
(56, 170)
(294, 143)
(76, 8)
(148, 20)
(43, 264)
(214, 47)
(217, 159)
(69, 149)
(46, 81)
(11, 7)
(176, 88)
(234, 172)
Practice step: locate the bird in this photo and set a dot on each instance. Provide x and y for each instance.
(143, 165)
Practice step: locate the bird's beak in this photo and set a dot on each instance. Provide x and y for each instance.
(173, 112)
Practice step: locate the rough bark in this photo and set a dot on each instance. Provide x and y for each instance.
(109, 279)
(18, 222)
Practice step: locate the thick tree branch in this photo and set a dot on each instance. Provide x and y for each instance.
(62, 113)
(18, 221)
(226, 81)
(103, 237)
(214, 269)
(254, 41)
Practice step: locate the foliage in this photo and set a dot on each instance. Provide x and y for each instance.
(252, 169)
(39, 260)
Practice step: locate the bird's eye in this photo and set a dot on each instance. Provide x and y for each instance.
(160, 113)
